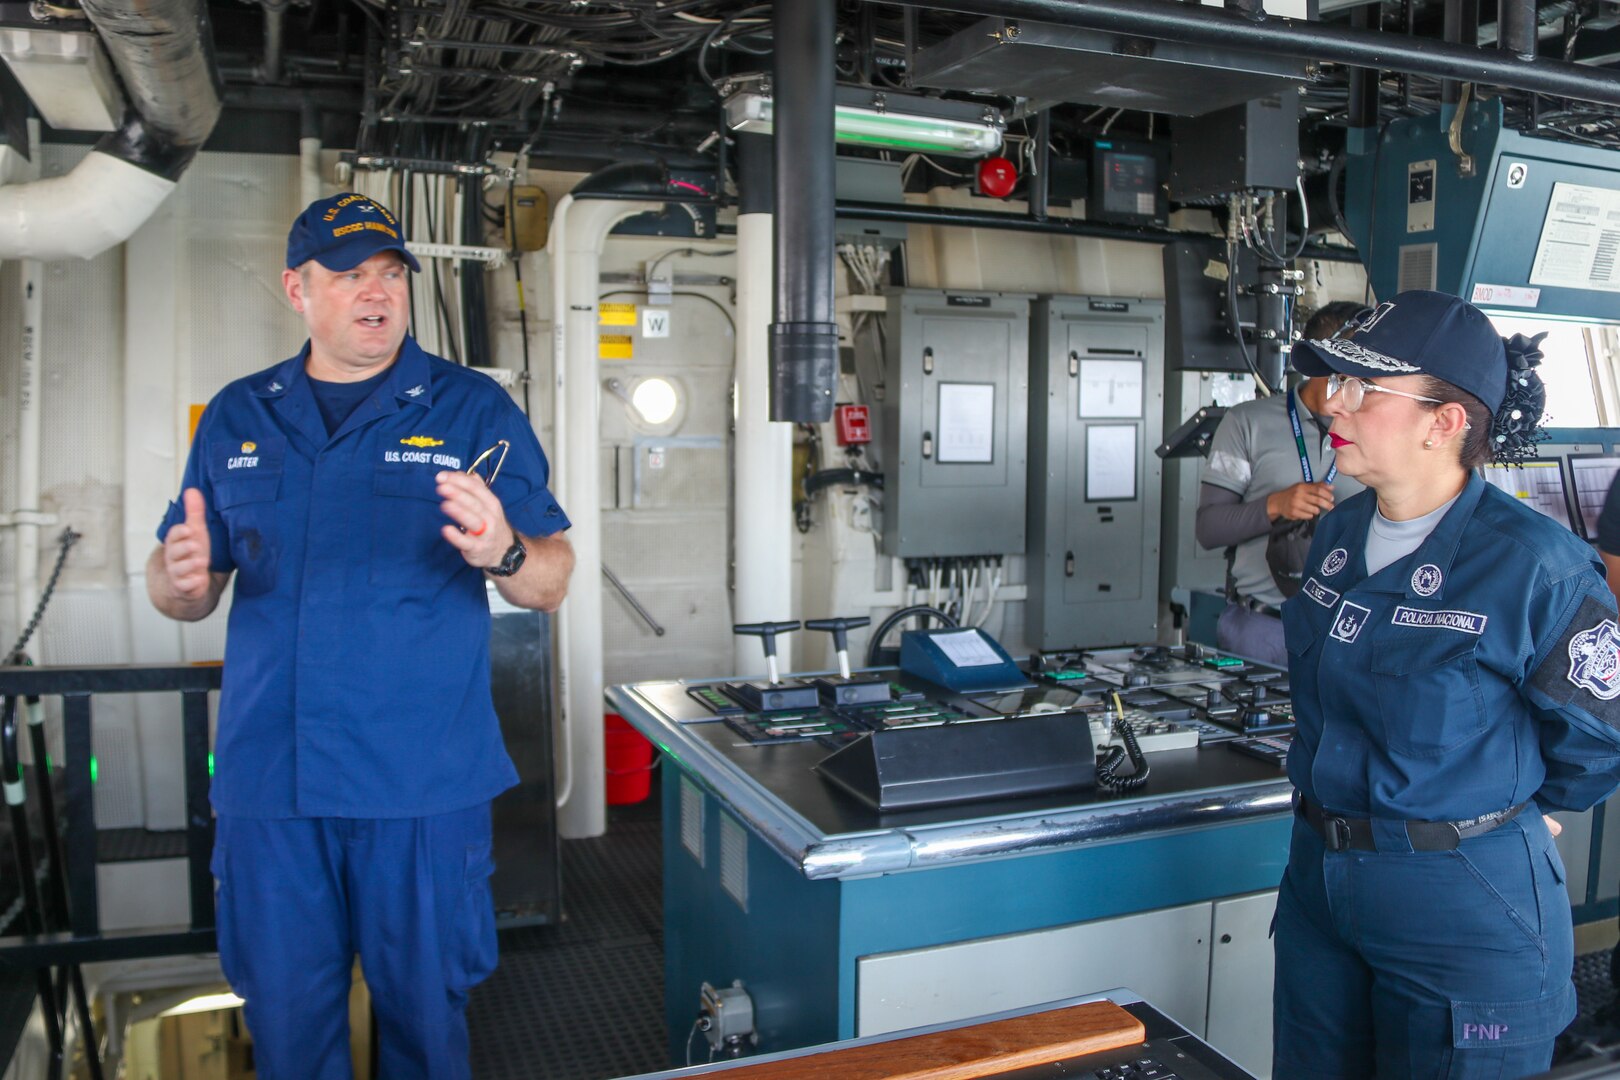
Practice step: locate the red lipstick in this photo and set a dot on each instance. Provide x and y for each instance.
(1337, 442)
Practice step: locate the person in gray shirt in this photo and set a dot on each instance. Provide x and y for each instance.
(1255, 493)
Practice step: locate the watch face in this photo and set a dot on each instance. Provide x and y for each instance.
(510, 562)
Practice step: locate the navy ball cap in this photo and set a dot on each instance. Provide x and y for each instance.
(344, 231)
(1417, 332)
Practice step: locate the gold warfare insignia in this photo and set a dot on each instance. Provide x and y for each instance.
(422, 440)
(249, 447)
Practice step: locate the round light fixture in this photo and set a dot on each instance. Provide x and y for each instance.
(655, 400)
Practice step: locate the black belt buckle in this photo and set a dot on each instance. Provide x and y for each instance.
(1335, 833)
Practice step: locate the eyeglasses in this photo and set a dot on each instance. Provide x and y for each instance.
(481, 467)
(1355, 391)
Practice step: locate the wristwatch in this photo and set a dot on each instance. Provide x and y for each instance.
(511, 561)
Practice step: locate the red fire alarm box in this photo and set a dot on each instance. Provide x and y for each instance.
(854, 424)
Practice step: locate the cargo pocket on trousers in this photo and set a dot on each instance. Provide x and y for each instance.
(476, 952)
(1479, 1025)
(225, 920)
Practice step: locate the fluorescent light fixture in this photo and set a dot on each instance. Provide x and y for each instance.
(883, 120)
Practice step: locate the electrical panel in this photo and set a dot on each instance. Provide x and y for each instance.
(955, 411)
(1096, 415)
(1512, 222)
(1250, 146)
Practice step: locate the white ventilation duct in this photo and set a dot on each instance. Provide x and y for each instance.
(163, 52)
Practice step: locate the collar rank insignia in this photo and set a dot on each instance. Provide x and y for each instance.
(1594, 660)
(274, 388)
(1334, 562)
(1426, 579)
(416, 391)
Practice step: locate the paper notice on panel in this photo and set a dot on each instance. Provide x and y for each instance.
(1110, 462)
(967, 423)
(966, 649)
(1580, 240)
(1111, 388)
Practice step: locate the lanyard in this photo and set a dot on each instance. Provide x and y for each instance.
(1299, 441)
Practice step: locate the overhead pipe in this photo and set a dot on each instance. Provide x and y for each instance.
(1460, 26)
(804, 336)
(951, 217)
(162, 51)
(1195, 24)
(1518, 27)
(1364, 103)
(1040, 180)
(275, 21)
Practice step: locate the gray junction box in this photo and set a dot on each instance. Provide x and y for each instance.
(1096, 414)
(955, 415)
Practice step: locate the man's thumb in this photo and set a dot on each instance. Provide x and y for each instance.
(195, 508)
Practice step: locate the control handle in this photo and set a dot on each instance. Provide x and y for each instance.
(839, 628)
(766, 632)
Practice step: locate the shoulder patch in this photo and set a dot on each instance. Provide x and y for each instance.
(1583, 668)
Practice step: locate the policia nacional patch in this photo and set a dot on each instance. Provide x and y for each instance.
(1584, 667)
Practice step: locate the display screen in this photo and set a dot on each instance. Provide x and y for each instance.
(1130, 184)
(1538, 484)
(1591, 474)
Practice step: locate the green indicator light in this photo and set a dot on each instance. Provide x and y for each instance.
(95, 768)
(47, 763)
(210, 763)
(1223, 662)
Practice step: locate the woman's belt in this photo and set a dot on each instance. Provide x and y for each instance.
(1356, 834)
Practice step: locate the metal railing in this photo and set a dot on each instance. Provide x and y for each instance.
(62, 923)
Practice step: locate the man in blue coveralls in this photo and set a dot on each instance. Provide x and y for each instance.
(358, 748)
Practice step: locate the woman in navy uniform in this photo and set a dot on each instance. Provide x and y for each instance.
(1455, 668)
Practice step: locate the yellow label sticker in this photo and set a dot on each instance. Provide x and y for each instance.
(616, 314)
(613, 346)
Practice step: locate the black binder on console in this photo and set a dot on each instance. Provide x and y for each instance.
(908, 768)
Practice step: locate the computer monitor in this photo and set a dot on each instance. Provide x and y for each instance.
(1591, 475)
(1538, 484)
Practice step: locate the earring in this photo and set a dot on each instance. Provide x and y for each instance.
(1428, 444)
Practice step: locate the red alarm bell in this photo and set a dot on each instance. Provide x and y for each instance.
(997, 177)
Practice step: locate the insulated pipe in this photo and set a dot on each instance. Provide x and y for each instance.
(94, 207)
(1195, 24)
(161, 49)
(163, 52)
(762, 451)
(579, 229)
(1517, 27)
(804, 335)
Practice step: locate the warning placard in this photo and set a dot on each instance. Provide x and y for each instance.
(616, 315)
(613, 346)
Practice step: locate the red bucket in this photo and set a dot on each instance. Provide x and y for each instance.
(629, 758)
